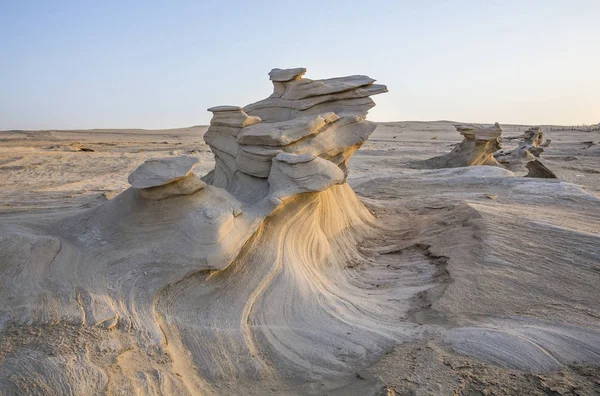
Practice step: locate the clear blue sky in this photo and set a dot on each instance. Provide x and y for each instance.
(121, 64)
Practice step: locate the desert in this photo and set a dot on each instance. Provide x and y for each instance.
(293, 246)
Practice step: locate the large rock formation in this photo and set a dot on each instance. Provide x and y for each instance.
(477, 148)
(190, 275)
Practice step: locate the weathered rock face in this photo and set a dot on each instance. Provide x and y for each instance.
(305, 128)
(477, 148)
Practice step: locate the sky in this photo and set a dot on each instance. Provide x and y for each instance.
(146, 64)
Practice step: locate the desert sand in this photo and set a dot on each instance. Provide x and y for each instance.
(288, 254)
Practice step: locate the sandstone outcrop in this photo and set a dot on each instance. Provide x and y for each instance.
(294, 96)
(307, 130)
(477, 148)
(525, 157)
(275, 211)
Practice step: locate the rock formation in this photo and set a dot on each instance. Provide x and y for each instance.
(526, 155)
(268, 276)
(537, 169)
(166, 177)
(298, 140)
(477, 148)
(294, 96)
(179, 279)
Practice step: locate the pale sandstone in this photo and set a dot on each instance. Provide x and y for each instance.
(477, 148)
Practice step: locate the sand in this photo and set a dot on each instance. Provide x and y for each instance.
(458, 281)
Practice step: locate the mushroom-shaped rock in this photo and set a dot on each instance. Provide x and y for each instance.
(160, 178)
(201, 269)
(477, 148)
(160, 171)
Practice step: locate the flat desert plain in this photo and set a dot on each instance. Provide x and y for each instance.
(45, 171)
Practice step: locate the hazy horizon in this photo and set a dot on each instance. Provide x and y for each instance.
(504, 125)
(68, 65)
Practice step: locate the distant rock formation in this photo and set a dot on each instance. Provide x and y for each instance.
(526, 155)
(537, 169)
(533, 138)
(477, 148)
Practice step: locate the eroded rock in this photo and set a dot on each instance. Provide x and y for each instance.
(294, 96)
(159, 171)
(275, 211)
(166, 177)
(525, 157)
(300, 118)
(477, 148)
(283, 75)
(537, 169)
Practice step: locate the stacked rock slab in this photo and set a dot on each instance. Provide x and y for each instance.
(298, 140)
(477, 148)
(221, 136)
(294, 96)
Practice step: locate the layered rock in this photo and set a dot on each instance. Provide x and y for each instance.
(294, 96)
(477, 148)
(305, 127)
